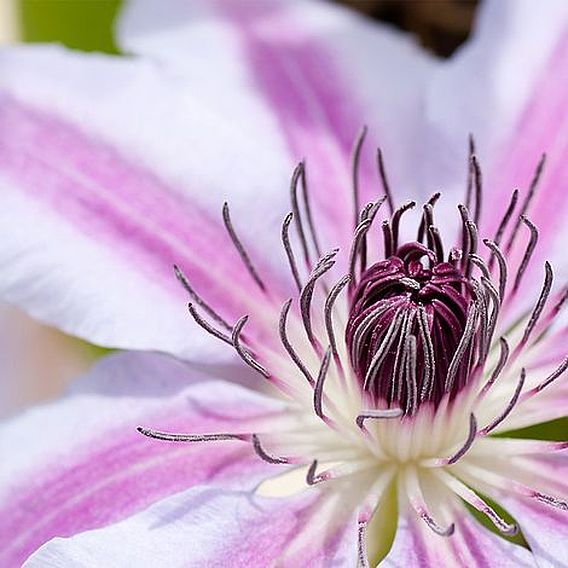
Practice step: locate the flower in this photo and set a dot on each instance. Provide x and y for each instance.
(394, 391)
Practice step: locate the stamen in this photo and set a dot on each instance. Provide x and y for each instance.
(311, 477)
(480, 263)
(478, 503)
(242, 352)
(288, 346)
(427, 216)
(496, 252)
(528, 252)
(384, 414)
(537, 311)
(172, 437)
(369, 212)
(355, 159)
(550, 500)
(396, 220)
(465, 340)
(358, 237)
(436, 241)
(198, 300)
(264, 456)
(411, 385)
(387, 239)
(362, 544)
(417, 501)
(382, 349)
(289, 250)
(308, 209)
(529, 197)
(508, 409)
(503, 225)
(296, 211)
(328, 311)
(469, 185)
(476, 173)
(384, 180)
(318, 389)
(240, 248)
(324, 264)
(503, 357)
(471, 229)
(429, 358)
(455, 457)
(208, 327)
(559, 371)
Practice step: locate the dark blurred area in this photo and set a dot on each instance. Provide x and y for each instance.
(441, 25)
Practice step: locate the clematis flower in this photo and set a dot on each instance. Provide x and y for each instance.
(396, 352)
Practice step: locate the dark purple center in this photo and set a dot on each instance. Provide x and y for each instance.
(408, 315)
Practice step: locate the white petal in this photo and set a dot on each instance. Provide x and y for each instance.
(207, 526)
(79, 463)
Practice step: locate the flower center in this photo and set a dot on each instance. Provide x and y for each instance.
(407, 318)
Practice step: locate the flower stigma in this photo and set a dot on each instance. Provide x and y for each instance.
(391, 359)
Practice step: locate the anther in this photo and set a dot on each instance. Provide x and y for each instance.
(240, 248)
(318, 389)
(528, 252)
(289, 250)
(355, 159)
(384, 180)
(242, 352)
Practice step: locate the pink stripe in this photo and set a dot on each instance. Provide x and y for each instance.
(542, 127)
(111, 200)
(316, 109)
(124, 474)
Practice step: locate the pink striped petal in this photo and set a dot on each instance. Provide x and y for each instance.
(111, 172)
(472, 545)
(208, 526)
(322, 71)
(79, 464)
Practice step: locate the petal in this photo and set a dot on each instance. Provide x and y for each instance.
(109, 172)
(206, 526)
(416, 546)
(527, 486)
(323, 72)
(78, 463)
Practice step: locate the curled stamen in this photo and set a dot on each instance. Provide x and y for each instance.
(173, 437)
(242, 352)
(240, 248)
(478, 503)
(503, 357)
(385, 414)
(417, 501)
(384, 180)
(298, 172)
(387, 239)
(468, 334)
(318, 389)
(208, 327)
(496, 253)
(308, 209)
(526, 203)
(539, 306)
(490, 427)
(427, 216)
(198, 300)
(323, 265)
(288, 346)
(550, 500)
(311, 477)
(355, 158)
(528, 252)
(559, 371)
(289, 250)
(456, 456)
(358, 237)
(263, 455)
(504, 221)
(328, 311)
(471, 229)
(395, 222)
